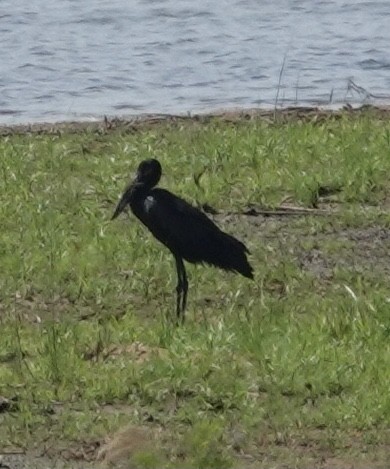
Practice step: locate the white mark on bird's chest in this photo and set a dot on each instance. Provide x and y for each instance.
(149, 202)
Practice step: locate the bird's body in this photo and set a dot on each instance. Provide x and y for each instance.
(186, 231)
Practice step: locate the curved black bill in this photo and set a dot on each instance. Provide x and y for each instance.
(123, 201)
(120, 207)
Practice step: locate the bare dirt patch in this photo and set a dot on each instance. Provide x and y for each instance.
(124, 448)
(361, 249)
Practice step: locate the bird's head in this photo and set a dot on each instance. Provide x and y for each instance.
(148, 174)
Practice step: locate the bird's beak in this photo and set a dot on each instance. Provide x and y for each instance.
(124, 200)
(120, 207)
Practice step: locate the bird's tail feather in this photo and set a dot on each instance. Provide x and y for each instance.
(231, 254)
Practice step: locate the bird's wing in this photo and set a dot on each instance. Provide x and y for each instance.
(178, 211)
(182, 227)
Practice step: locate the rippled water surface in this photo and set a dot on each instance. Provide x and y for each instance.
(75, 60)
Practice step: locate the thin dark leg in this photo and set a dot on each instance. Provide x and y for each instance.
(181, 288)
(184, 283)
(178, 298)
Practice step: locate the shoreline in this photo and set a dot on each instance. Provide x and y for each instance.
(144, 121)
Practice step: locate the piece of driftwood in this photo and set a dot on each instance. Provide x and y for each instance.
(283, 211)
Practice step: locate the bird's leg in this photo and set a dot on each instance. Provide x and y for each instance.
(179, 286)
(181, 289)
(184, 283)
(178, 299)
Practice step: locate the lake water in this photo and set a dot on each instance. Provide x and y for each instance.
(65, 60)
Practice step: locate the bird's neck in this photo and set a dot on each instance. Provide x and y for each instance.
(140, 189)
(138, 195)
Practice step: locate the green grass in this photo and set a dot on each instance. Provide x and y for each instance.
(297, 363)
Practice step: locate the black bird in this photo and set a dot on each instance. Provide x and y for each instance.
(186, 231)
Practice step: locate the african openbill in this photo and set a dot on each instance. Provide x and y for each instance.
(186, 231)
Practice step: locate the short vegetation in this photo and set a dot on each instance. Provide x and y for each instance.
(288, 370)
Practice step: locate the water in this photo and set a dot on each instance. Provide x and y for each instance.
(68, 59)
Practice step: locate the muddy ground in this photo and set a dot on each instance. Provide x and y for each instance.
(146, 121)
